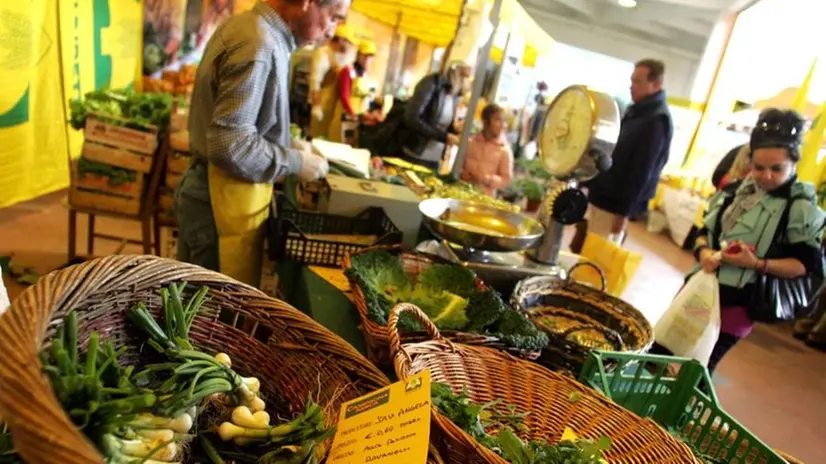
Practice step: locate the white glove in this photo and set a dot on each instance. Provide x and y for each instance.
(312, 166)
(318, 113)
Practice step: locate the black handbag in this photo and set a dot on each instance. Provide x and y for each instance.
(777, 299)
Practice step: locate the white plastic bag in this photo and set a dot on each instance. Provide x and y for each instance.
(691, 325)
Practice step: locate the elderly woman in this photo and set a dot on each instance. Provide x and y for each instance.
(768, 223)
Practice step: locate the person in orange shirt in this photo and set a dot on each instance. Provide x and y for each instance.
(489, 160)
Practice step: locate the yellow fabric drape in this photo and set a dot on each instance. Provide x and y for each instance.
(435, 21)
(98, 45)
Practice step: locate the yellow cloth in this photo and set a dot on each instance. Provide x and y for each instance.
(241, 210)
(619, 265)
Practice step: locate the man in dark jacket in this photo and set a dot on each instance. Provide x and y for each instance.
(641, 152)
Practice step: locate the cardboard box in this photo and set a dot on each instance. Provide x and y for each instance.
(139, 141)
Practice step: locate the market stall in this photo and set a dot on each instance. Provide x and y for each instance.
(382, 270)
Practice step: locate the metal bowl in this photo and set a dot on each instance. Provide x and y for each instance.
(478, 226)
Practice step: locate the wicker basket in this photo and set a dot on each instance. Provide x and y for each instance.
(291, 354)
(491, 374)
(375, 335)
(625, 327)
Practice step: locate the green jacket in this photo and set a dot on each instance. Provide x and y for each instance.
(758, 226)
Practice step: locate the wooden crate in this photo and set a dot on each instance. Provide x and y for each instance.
(94, 192)
(104, 133)
(119, 157)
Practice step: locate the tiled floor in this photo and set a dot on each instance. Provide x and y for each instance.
(771, 383)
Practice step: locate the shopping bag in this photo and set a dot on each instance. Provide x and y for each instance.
(618, 264)
(691, 325)
(4, 296)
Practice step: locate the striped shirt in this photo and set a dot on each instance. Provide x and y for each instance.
(239, 119)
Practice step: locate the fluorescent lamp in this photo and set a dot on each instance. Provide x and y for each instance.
(627, 3)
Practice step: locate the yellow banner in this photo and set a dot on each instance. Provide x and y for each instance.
(98, 43)
(101, 41)
(32, 130)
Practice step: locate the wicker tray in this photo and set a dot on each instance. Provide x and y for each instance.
(625, 327)
(375, 335)
(489, 374)
(291, 354)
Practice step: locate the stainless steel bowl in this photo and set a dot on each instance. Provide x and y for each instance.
(478, 226)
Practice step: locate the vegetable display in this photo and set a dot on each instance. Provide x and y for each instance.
(462, 191)
(123, 108)
(115, 176)
(447, 293)
(494, 425)
(153, 414)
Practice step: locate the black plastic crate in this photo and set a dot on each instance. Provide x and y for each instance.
(290, 228)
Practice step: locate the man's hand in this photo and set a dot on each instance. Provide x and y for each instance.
(312, 166)
(452, 140)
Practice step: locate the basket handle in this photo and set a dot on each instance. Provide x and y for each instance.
(393, 322)
(602, 280)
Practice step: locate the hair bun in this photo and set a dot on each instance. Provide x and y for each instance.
(778, 128)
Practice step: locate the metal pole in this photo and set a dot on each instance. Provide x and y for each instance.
(478, 84)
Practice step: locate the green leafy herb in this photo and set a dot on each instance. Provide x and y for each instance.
(495, 430)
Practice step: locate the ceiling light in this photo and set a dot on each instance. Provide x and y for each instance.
(627, 3)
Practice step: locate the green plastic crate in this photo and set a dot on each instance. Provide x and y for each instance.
(685, 405)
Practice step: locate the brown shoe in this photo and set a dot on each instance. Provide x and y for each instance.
(817, 335)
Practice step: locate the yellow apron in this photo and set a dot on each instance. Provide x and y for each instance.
(241, 210)
(359, 102)
(327, 97)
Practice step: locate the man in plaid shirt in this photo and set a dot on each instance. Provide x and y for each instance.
(239, 126)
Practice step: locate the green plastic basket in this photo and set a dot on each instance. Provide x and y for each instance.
(685, 404)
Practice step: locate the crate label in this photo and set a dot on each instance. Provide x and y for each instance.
(117, 157)
(391, 425)
(121, 137)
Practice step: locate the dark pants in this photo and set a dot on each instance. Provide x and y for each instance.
(724, 344)
(434, 165)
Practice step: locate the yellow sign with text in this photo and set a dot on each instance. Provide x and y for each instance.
(391, 425)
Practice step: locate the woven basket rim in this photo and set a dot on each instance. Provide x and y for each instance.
(24, 326)
(403, 360)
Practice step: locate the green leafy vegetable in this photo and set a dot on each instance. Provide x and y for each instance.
(446, 293)
(495, 431)
(122, 107)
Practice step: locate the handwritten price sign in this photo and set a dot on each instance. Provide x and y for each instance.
(391, 425)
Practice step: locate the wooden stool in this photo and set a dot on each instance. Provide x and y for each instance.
(147, 240)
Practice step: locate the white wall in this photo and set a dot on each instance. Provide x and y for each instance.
(680, 65)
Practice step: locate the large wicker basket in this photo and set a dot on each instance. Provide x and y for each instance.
(542, 297)
(291, 354)
(546, 396)
(375, 335)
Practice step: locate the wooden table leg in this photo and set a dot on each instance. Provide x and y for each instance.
(156, 225)
(146, 235)
(72, 234)
(90, 239)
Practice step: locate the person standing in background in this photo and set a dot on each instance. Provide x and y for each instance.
(327, 62)
(239, 128)
(639, 157)
(489, 160)
(300, 69)
(350, 96)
